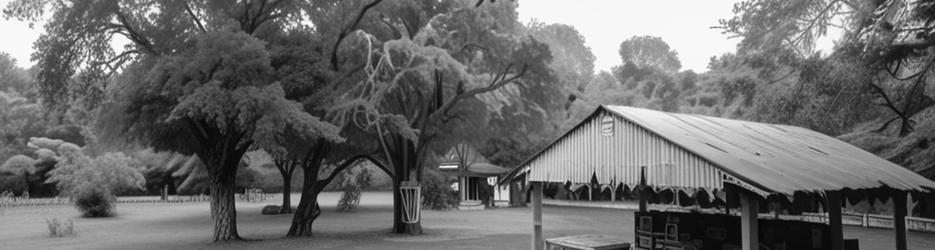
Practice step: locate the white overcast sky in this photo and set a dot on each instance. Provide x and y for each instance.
(18, 38)
(683, 24)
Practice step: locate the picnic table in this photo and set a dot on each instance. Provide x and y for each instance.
(587, 242)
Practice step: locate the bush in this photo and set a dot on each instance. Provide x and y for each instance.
(92, 181)
(437, 193)
(353, 187)
(60, 228)
(274, 210)
(94, 201)
(114, 172)
(271, 210)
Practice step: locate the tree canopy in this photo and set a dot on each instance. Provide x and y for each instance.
(649, 51)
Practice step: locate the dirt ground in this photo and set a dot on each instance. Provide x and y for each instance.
(188, 226)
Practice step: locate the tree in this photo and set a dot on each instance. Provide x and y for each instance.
(286, 168)
(12, 77)
(415, 88)
(195, 78)
(20, 119)
(20, 165)
(649, 51)
(890, 40)
(232, 105)
(573, 62)
(302, 64)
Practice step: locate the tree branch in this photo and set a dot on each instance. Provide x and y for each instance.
(346, 164)
(200, 134)
(889, 103)
(135, 36)
(347, 31)
(396, 33)
(194, 18)
(494, 85)
(814, 21)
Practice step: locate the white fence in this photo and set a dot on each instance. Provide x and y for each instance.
(869, 220)
(251, 195)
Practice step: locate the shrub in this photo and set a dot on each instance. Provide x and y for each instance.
(271, 210)
(94, 201)
(20, 165)
(112, 171)
(350, 198)
(91, 182)
(437, 193)
(352, 188)
(60, 228)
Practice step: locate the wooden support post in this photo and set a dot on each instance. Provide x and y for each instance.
(777, 209)
(165, 193)
(590, 192)
(613, 193)
(462, 186)
(899, 219)
(675, 198)
(537, 240)
(834, 220)
(727, 199)
(641, 193)
(748, 221)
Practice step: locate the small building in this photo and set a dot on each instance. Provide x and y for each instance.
(478, 179)
(709, 158)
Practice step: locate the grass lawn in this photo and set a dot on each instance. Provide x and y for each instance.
(188, 226)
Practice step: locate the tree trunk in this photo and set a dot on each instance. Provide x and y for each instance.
(304, 218)
(399, 226)
(306, 213)
(223, 210)
(26, 179)
(221, 162)
(286, 194)
(308, 209)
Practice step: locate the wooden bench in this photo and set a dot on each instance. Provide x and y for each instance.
(586, 242)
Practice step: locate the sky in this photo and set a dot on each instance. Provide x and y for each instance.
(684, 24)
(18, 38)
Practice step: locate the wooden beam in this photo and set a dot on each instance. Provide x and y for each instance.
(749, 207)
(834, 220)
(899, 219)
(537, 240)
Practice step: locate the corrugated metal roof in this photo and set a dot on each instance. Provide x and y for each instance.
(480, 169)
(612, 150)
(762, 157)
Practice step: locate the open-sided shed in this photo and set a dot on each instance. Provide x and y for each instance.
(704, 154)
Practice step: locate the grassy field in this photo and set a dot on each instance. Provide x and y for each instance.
(188, 226)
